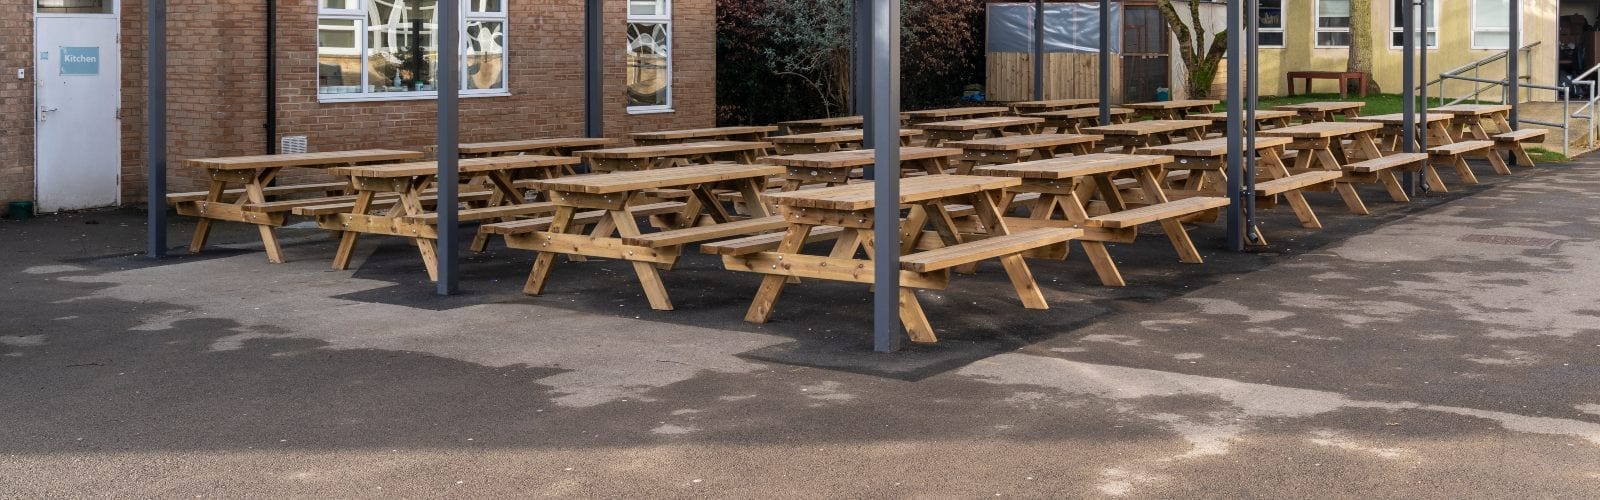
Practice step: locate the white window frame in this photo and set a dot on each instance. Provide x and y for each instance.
(1283, 21)
(360, 16)
(1317, 29)
(116, 10)
(1396, 25)
(665, 17)
(1472, 29)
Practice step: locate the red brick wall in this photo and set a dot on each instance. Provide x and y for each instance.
(216, 85)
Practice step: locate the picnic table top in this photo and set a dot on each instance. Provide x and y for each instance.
(1054, 103)
(1075, 166)
(860, 196)
(1211, 148)
(833, 137)
(1400, 118)
(1322, 130)
(981, 123)
(327, 158)
(1148, 127)
(1018, 142)
(1079, 113)
(667, 150)
(530, 144)
(695, 133)
(1179, 104)
(465, 166)
(1322, 106)
(620, 182)
(1473, 109)
(961, 111)
(1261, 114)
(837, 121)
(858, 157)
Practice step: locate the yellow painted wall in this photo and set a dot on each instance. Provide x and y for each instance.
(1300, 53)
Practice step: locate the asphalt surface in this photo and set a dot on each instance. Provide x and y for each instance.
(1445, 348)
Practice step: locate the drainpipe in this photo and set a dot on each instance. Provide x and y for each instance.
(272, 77)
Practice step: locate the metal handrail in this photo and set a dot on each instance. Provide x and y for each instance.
(1478, 64)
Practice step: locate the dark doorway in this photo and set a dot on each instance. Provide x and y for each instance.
(1145, 65)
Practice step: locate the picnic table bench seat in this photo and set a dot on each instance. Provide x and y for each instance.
(1294, 182)
(993, 247)
(586, 218)
(312, 207)
(1157, 212)
(1455, 155)
(766, 242)
(1512, 142)
(485, 213)
(320, 187)
(696, 234)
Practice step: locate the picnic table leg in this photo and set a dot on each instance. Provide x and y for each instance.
(505, 193)
(347, 239)
(1016, 268)
(1352, 199)
(649, 277)
(1151, 186)
(541, 264)
(1297, 200)
(410, 205)
(1498, 161)
(772, 284)
(202, 229)
(254, 192)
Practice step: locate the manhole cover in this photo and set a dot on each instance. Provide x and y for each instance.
(1500, 239)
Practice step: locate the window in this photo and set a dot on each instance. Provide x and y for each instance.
(384, 49)
(649, 56)
(1269, 19)
(1397, 21)
(1491, 24)
(1333, 23)
(76, 6)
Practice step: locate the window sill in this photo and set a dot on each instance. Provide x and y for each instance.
(402, 96)
(651, 111)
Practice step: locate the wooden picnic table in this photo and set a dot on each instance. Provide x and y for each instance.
(407, 215)
(1134, 135)
(741, 133)
(556, 146)
(1320, 146)
(838, 167)
(822, 125)
(669, 155)
(850, 209)
(1265, 119)
(1324, 111)
(1437, 127)
(612, 201)
(1207, 163)
(254, 175)
(1469, 118)
(1174, 110)
(948, 114)
(1017, 148)
(972, 128)
(1024, 108)
(823, 142)
(1072, 121)
(1068, 187)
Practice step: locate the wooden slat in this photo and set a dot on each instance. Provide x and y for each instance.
(618, 182)
(707, 233)
(344, 204)
(696, 133)
(838, 121)
(1321, 130)
(1400, 118)
(269, 191)
(833, 137)
(766, 242)
(1473, 109)
(1322, 107)
(1178, 104)
(1386, 162)
(1080, 113)
(579, 219)
(944, 113)
(1210, 148)
(1296, 181)
(675, 150)
(1262, 115)
(1524, 135)
(985, 123)
(485, 213)
(1151, 213)
(987, 248)
(535, 144)
(859, 196)
(466, 166)
(1076, 166)
(1052, 105)
(857, 158)
(1462, 147)
(1020, 142)
(1148, 127)
(323, 159)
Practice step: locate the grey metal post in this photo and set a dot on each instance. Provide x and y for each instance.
(885, 110)
(594, 116)
(862, 82)
(1514, 61)
(155, 130)
(449, 85)
(1253, 101)
(1038, 50)
(855, 60)
(1408, 103)
(1417, 186)
(1105, 62)
(1235, 133)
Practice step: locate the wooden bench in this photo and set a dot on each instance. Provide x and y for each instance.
(588, 218)
(994, 247)
(324, 187)
(675, 237)
(1455, 156)
(1152, 213)
(1382, 170)
(1344, 78)
(766, 242)
(486, 213)
(344, 204)
(1512, 142)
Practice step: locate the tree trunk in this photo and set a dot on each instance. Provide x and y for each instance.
(1361, 42)
(1201, 66)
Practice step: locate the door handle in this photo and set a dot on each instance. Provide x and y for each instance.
(47, 109)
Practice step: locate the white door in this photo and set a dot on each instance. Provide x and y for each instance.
(78, 72)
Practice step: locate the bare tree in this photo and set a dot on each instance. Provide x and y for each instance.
(1201, 65)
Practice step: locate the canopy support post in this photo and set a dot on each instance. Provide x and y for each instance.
(1235, 133)
(155, 134)
(885, 113)
(448, 81)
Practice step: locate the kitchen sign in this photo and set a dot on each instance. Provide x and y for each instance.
(80, 60)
